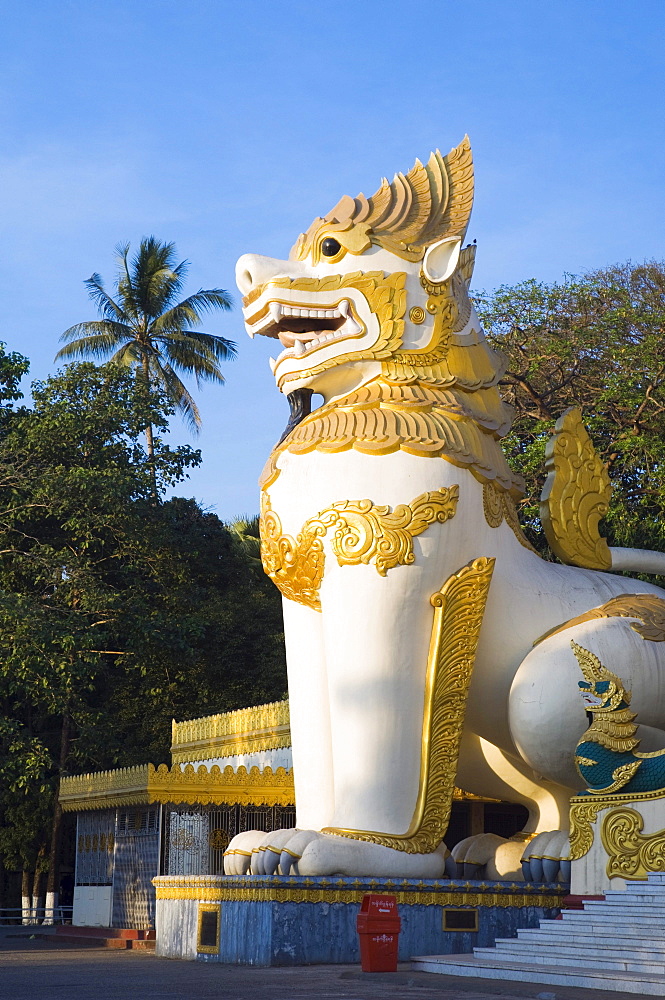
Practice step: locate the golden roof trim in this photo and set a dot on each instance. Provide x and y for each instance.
(247, 730)
(146, 784)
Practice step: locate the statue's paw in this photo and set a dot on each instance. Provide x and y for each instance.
(311, 853)
(547, 857)
(238, 855)
(486, 855)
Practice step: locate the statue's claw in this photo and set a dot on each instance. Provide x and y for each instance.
(240, 853)
(547, 857)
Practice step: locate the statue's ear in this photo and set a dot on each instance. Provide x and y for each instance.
(441, 259)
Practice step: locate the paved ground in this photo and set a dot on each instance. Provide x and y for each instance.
(37, 970)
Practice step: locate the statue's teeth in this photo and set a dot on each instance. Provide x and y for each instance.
(275, 311)
(272, 363)
(343, 307)
(298, 348)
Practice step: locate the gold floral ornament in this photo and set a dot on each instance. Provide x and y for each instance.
(459, 608)
(631, 853)
(576, 495)
(363, 532)
(648, 610)
(499, 506)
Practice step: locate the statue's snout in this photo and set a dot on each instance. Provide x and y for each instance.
(253, 270)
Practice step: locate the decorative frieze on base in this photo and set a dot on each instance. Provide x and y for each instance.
(299, 921)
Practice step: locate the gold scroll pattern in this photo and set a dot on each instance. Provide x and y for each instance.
(576, 495)
(364, 532)
(631, 853)
(584, 811)
(499, 506)
(459, 608)
(648, 610)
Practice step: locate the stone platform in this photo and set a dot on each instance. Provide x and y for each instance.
(271, 921)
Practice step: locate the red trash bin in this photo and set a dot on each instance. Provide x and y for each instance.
(378, 926)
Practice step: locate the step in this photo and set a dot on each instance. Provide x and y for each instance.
(148, 944)
(572, 953)
(624, 909)
(128, 933)
(89, 941)
(649, 984)
(589, 939)
(604, 921)
(552, 956)
(632, 898)
(576, 948)
(555, 957)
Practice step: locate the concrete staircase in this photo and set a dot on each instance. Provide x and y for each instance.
(617, 944)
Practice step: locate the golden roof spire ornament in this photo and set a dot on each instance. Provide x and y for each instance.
(431, 202)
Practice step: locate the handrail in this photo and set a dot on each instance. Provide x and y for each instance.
(35, 915)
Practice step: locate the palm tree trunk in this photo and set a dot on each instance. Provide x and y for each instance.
(150, 444)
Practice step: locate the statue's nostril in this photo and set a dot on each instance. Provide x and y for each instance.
(245, 281)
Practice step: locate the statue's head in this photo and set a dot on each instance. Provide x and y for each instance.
(601, 690)
(376, 286)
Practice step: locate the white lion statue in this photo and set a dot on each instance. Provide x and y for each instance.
(428, 644)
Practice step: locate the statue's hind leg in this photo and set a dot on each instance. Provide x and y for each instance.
(486, 770)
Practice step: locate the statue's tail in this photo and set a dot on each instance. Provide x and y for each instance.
(637, 561)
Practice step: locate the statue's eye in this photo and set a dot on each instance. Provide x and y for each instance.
(330, 247)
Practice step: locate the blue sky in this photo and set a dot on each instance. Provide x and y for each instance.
(226, 127)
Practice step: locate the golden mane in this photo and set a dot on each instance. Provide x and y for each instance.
(407, 215)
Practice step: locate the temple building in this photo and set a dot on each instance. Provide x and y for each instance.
(229, 773)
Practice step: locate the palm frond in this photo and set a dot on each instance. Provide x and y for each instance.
(124, 282)
(190, 358)
(129, 354)
(99, 338)
(203, 343)
(106, 305)
(189, 311)
(157, 279)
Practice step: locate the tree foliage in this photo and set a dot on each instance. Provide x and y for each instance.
(118, 610)
(596, 342)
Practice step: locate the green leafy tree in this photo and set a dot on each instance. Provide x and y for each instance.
(117, 612)
(146, 328)
(597, 342)
(75, 511)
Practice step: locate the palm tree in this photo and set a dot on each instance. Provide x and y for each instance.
(146, 328)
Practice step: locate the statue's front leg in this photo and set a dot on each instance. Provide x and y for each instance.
(398, 666)
(309, 710)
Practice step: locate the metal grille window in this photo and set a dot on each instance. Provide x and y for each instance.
(136, 864)
(195, 837)
(95, 840)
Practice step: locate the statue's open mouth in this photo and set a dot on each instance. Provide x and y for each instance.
(302, 327)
